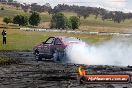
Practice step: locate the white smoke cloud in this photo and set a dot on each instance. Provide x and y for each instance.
(114, 52)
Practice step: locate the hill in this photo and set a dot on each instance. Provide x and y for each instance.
(88, 24)
(9, 11)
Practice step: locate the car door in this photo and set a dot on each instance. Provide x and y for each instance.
(48, 45)
(59, 45)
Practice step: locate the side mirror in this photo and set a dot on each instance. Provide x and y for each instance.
(43, 42)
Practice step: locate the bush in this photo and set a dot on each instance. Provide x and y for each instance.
(68, 24)
(21, 20)
(34, 19)
(7, 20)
(75, 22)
(58, 21)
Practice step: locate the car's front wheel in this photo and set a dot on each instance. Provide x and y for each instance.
(38, 57)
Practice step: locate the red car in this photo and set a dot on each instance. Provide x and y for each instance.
(54, 48)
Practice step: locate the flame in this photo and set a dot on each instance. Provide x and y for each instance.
(81, 71)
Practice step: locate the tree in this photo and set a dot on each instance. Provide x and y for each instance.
(7, 20)
(25, 7)
(75, 22)
(68, 23)
(36, 7)
(34, 19)
(21, 20)
(58, 21)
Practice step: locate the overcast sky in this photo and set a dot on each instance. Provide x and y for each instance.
(122, 5)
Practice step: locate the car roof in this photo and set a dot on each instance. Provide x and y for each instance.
(62, 37)
(59, 36)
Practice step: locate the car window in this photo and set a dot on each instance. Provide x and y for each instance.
(50, 41)
(71, 39)
(58, 42)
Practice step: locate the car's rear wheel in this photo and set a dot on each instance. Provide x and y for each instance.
(58, 56)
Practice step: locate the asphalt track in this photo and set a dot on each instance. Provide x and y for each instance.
(47, 74)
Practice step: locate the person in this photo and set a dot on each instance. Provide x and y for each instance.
(4, 36)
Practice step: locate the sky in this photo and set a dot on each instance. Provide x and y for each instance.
(118, 5)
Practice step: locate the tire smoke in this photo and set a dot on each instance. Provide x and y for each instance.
(115, 52)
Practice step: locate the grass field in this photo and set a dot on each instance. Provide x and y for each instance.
(92, 24)
(25, 40)
(9, 11)
(98, 22)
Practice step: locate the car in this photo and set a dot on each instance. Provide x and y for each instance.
(54, 48)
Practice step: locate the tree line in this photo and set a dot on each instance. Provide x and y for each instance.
(23, 20)
(58, 21)
(82, 11)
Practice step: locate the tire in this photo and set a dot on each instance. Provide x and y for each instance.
(38, 57)
(55, 56)
(58, 56)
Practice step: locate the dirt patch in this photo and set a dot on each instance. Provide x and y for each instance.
(45, 74)
(15, 54)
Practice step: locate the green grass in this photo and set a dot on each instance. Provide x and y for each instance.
(11, 12)
(91, 21)
(45, 17)
(68, 14)
(24, 40)
(7, 61)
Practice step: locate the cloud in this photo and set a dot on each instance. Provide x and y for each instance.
(113, 4)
